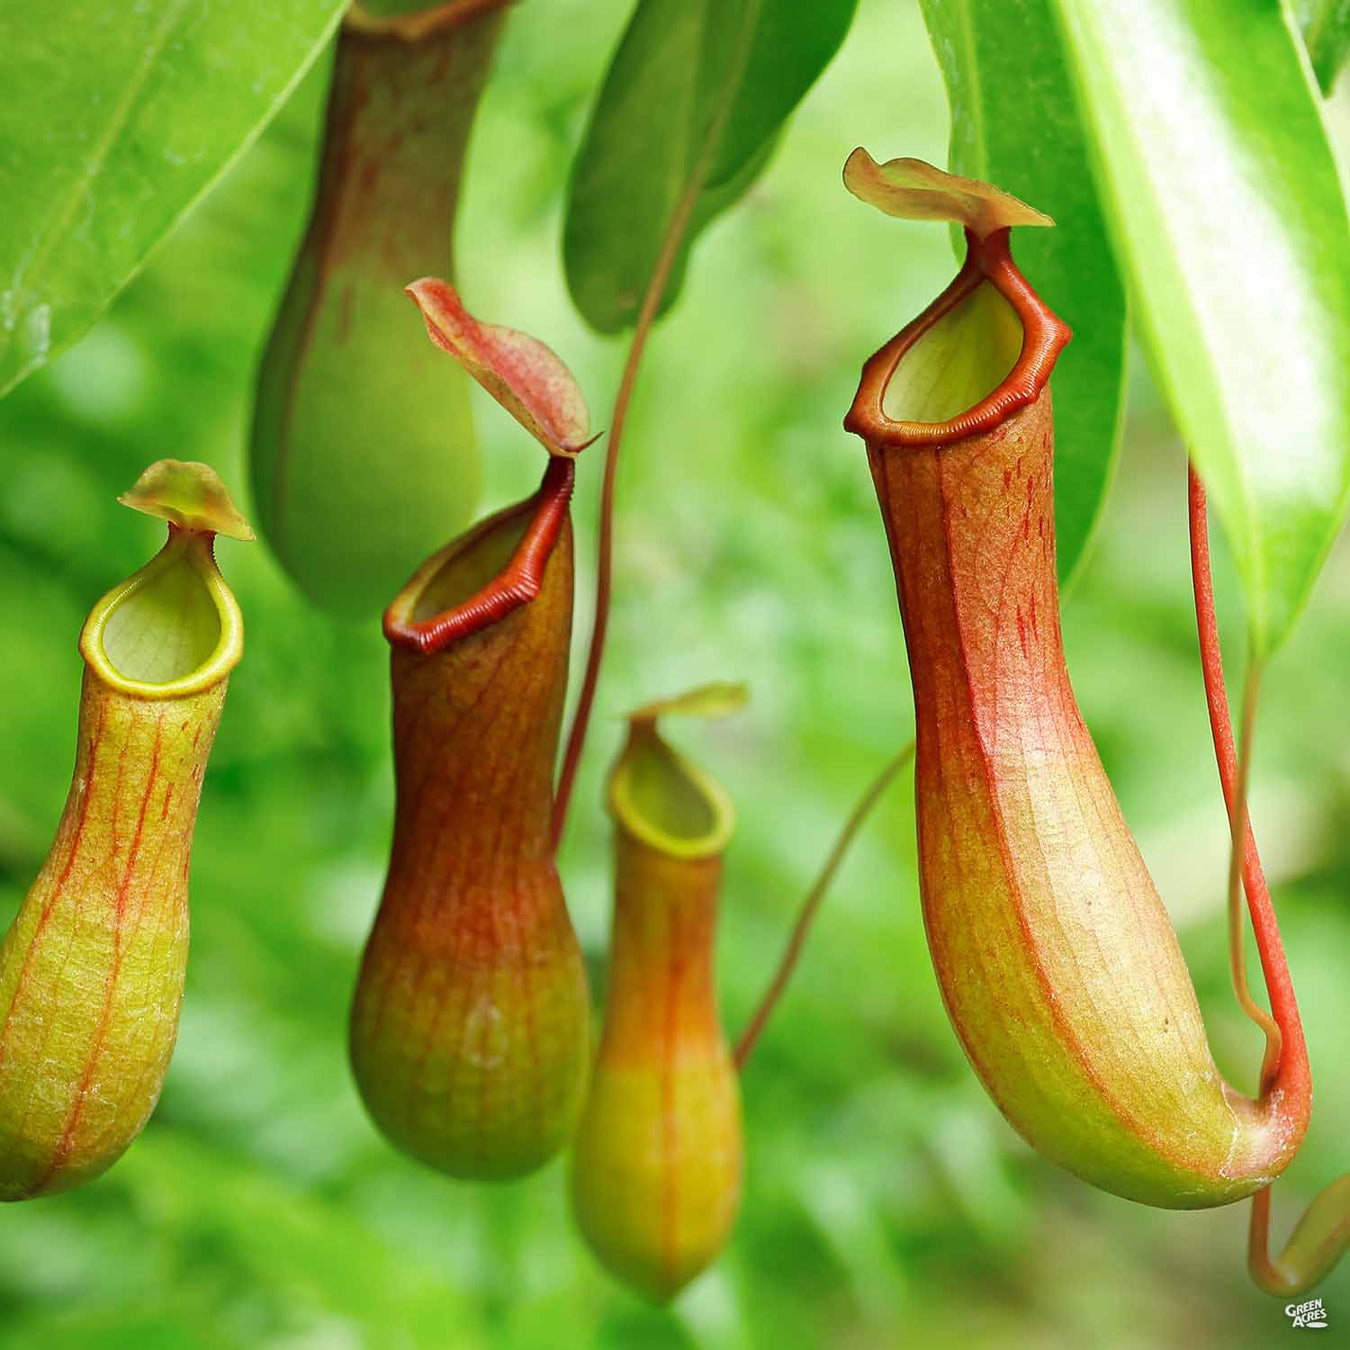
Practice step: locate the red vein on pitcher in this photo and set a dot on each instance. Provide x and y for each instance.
(91, 972)
(470, 1027)
(1055, 957)
(656, 1167)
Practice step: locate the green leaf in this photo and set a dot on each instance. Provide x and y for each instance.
(1015, 124)
(1228, 216)
(116, 119)
(650, 126)
(1326, 34)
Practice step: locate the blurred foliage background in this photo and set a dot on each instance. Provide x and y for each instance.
(887, 1202)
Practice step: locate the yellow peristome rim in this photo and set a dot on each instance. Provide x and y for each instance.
(710, 700)
(228, 649)
(631, 818)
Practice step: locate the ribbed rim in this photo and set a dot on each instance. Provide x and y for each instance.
(1044, 336)
(516, 584)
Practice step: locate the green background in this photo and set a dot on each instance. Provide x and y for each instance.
(887, 1203)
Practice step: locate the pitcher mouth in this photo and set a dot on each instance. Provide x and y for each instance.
(445, 600)
(171, 629)
(666, 802)
(988, 282)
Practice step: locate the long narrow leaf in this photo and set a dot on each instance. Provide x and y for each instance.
(650, 123)
(116, 117)
(1228, 214)
(1015, 124)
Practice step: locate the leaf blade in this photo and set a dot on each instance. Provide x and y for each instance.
(1210, 149)
(989, 51)
(648, 128)
(140, 110)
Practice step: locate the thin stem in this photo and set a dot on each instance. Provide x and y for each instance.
(1286, 1026)
(1322, 1235)
(814, 897)
(1318, 1242)
(1240, 825)
(651, 304)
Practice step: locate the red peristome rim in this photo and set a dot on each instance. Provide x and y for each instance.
(515, 585)
(1044, 336)
(417, 25)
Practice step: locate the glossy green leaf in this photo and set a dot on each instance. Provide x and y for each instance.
(1229, 218)
(1015, 124)
(651, 123)
(115, 119)
(1326, 33)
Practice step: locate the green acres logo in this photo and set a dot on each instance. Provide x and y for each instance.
(1309, 1314)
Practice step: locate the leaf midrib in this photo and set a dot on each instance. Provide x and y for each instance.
(117, 124)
